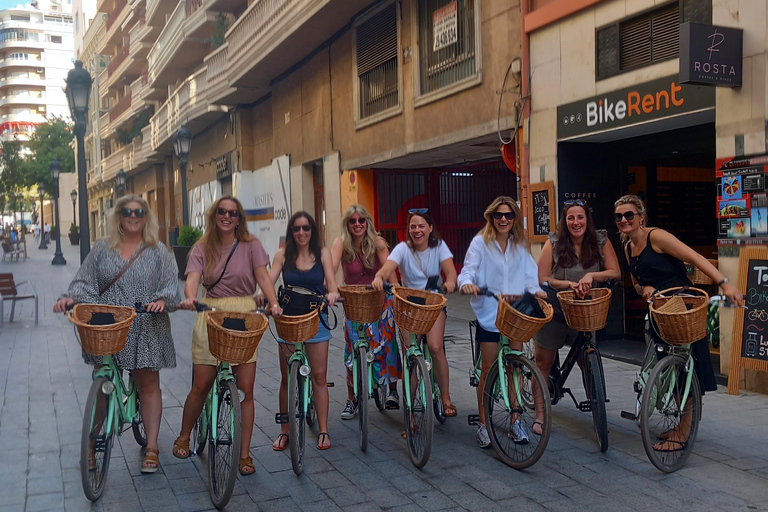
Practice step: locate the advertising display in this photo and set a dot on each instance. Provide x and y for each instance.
(742, 201)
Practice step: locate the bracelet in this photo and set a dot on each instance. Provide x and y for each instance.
(721, 283)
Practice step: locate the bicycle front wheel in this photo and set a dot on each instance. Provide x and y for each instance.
(511, 428)
(362, 396)
(199, 436)
(669, 427)
(419, 422)
(96, 441)
(139, 434)
(224, 449)
(593, 386)
(296, 416)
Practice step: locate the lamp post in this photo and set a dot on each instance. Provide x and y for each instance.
(58, 257)
(120, 182)
(78, 93)
(182, 142)
(20, 197)
(73, 195)
(43, 245)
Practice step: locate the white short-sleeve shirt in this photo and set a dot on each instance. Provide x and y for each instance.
(417, 266)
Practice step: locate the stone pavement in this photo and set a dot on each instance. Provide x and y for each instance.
(44, 384)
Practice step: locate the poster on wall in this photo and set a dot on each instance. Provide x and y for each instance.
(265, 194)
(200, 199)
(742, 200)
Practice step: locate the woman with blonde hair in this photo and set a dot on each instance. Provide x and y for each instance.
(498, 259)
(229, 262)
(362, 252)
(130, 267)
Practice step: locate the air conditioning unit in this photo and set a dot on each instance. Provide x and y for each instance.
(40, 70)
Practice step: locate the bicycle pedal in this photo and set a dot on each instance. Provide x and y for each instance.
(628, 415)
(473, 419)
(330, 384)
(636, 387)
(585, 406)
(281, 417)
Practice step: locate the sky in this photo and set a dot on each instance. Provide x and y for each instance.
(6, 4)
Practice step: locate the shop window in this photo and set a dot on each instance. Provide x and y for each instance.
(651, 37)
(377, 66)
(449, 45)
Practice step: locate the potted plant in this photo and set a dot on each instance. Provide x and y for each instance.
(54, 227)
(74, 234)
(188, 236)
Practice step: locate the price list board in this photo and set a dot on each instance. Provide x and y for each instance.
(742, 201)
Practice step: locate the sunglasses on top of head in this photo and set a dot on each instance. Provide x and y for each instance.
(127, 212)
(352, 222)
(575, 202)
(233, 214)
(630, 216)
(505, 215)
(306, 228)
(420, 211)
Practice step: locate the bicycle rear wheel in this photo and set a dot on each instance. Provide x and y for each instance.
(593, 386)
(224, 450)
(95, 442)
(662, 415)
(419, 422)
(296, 416)
(139, 434)
(362, 396)
(380, 396)
(511, 430)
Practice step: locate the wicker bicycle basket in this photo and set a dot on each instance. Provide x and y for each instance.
(417, 318)
(586, 315)
(516, 326)
(102, 340)
(677, 324)
(700, 277)
(362, 304)
(231, 346)
(298, 329)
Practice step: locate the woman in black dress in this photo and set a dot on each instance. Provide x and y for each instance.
(655, 260)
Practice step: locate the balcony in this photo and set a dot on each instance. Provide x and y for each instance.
(117, 12)
(24, 44)
(22, 118)
(120, 159)
(27, 81)
(117, 60)
(25, 63)
(157, 10)
(138, 90)
(22, 99)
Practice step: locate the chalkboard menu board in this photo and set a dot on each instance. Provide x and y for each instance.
(541, 212)
(749, 342)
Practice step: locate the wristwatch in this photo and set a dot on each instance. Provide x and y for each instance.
(721, 283)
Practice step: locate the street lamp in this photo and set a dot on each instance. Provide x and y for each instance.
(120, 181)
(20, 197)
(43, 245)
(182, 143)
(78, 93)
(58, 257)
(73, 195)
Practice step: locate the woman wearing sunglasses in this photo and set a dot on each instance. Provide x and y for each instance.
(655, 260)
(420, 259)
(229, 262)
(500, 260)
(362, 252)
(127, 267)
(304, 263)
(573, 258)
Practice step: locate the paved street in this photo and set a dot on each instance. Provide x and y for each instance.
(44, 385)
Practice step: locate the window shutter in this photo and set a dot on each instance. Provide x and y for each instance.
(636, 43)
(607, 51)
(377, 40)
(665, 34)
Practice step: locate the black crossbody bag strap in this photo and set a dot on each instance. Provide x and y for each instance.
(209, 288)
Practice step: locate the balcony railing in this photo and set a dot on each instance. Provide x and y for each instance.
(116, 161)
(192, 5)
(171, 29)
(188, 102)
(118, 59)
(119, 6)
(258, 18)
(121, 106)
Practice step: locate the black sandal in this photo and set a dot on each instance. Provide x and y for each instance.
(320, 438)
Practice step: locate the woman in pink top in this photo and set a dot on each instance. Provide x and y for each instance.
(362, 252)
(229, 262)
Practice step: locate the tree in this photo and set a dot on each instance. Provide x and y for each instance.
(51, 140)
(12, 174)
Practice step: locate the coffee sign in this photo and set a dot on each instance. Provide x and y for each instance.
(710, 55)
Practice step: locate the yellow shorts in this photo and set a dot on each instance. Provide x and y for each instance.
(200, 352)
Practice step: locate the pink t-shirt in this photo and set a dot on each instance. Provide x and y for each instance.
(239, 279)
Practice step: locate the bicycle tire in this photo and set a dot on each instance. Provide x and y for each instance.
(518, 455)
(362, 396)
(311, 413)
(419, 421)
(658, 417)
(95, 478)
(224, 451)
(593, 386)
(296, 417)
(199, 436)
(380, 397)
(137, 426)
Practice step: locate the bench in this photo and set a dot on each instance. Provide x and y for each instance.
(9, 292)
(12, 250)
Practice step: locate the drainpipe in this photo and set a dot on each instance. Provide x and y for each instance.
(525, 73)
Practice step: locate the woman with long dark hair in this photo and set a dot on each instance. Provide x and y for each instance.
(304, 263)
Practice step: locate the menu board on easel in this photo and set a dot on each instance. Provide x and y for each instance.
(541, 212)
(749, 344)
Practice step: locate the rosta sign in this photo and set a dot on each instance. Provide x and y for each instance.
(645, 102)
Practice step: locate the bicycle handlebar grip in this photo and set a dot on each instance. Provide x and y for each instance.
(201, 306)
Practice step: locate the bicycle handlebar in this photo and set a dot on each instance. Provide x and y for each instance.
(722, 301)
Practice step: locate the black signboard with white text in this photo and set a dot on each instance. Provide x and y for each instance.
(710, 55)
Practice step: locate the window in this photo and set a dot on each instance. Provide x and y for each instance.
(19, 18)
(449, 43)
(377, 65)
(651, 37)
(52, 39)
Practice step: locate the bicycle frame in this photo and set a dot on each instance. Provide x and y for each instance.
(122, 411)
(223, 374)
(300, 355)
(414, 349)
(583, 345)
(504, 351)
(362, 342)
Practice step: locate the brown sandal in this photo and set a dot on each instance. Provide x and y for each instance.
(246, 466)
(181, 445)
(150, 457)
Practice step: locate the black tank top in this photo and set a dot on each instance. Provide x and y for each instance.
(651, 268)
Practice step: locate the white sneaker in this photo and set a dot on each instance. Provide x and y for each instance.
(517, 432)
(349, 410)
(483, 441)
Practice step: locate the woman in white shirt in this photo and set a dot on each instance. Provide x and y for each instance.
(500, 260)
(420, 259)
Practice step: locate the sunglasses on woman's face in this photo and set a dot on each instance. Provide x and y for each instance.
(627, 215)
(127, 212)
(233, 214)
(352, 222)
(306, 228)
(506, 215)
